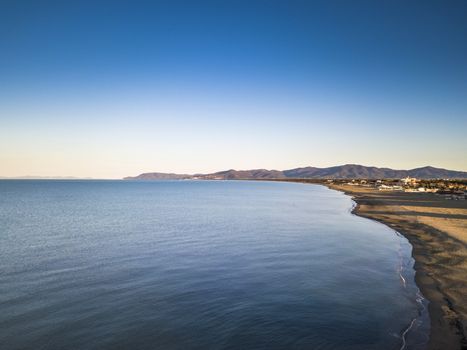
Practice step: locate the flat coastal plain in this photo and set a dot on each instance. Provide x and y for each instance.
(437, 229)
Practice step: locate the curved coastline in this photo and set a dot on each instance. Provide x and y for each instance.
(420, 324)
(448, 324)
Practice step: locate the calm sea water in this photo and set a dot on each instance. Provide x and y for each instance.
(199, 265)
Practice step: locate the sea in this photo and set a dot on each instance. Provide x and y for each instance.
(200, 265)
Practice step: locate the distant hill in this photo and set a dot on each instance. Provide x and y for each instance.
(348, 171)
(247, 174)
(159, 176)
(354, 171)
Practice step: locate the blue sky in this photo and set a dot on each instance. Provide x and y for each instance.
(114, 88)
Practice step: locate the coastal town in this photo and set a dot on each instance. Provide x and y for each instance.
(448, 188)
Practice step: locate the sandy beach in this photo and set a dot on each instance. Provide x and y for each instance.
(437, 229)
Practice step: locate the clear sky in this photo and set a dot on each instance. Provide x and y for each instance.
(108, 89)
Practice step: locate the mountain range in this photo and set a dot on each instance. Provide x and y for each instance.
(348, 171)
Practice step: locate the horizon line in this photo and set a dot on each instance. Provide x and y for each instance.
(71, 177)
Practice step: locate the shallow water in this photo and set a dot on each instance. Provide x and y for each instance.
(199, 264)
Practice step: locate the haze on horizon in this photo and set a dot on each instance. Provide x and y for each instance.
(108, 89)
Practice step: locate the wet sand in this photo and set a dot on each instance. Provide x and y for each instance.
(437, 229)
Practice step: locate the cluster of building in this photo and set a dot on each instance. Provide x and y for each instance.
(451, 189)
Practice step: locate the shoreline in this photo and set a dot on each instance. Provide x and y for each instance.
(440, 260)
(423, 313)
